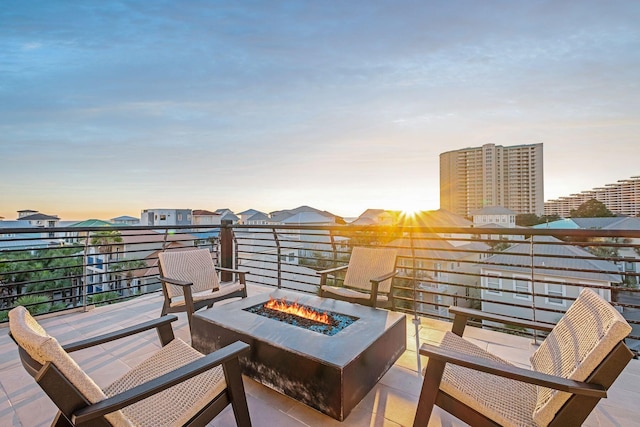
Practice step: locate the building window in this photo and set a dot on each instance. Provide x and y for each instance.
(179, 217)
(522, 286)
(554, 293)
(493, 284)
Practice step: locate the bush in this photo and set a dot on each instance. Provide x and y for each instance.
(103, 298)
(35, 304)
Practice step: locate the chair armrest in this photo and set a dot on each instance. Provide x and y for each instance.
(163, 382)
(374, 287)
(463, 314)
(384, 277)
(174, 281)
(513, 372)
(159, 324)
(332, 270)
(324, 273)
(242, 274)
(232, 270)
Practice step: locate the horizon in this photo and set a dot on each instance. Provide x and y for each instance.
(109, 108)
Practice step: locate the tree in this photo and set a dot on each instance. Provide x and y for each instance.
(591, 209)
(527, 220)
(127, 269)
(104, 241)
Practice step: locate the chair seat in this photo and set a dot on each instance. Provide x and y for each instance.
(174, 406)
(223, 290)
(485, 392)
(350, 293)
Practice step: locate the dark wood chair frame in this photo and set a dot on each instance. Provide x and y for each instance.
(373, 298)
(190, 306)
(585, 394)
(76, 410)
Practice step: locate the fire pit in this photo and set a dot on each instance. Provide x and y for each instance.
(330, 371)
(303, 316)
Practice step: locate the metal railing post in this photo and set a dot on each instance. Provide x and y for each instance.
(85, 276)
(416, 318)
(279, 257)
(226, 249)
(533, 289)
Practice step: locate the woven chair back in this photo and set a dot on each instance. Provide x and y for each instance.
(194, 266)
(368, 263)
(579, 342)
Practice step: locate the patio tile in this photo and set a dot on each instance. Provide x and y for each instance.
(392, 402)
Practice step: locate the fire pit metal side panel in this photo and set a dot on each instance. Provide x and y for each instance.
(368, 368)
(330, 374)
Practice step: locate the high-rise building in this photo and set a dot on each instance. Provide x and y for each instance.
(622, 197)
(492, 175)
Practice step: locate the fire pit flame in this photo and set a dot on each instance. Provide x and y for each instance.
(297, 310)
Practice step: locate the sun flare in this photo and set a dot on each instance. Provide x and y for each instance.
(410, 209)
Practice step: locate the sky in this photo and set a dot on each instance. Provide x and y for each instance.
(111, 107)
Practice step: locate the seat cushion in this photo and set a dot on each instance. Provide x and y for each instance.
(176, 405)
(506, 401)
(44, 348)
(225, 289)
(579, 342)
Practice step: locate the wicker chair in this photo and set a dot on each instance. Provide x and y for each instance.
(190, 282)
(367, 280)
(571, 370)
(176, 386)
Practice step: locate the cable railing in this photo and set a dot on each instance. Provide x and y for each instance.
(526, 273)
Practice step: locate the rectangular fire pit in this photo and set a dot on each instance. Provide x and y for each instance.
(330, 373)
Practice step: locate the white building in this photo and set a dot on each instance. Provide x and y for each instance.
(622, 198)
(559, 271)
(493, 175)
(165, 217)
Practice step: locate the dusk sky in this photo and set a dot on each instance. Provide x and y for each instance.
(111, 107)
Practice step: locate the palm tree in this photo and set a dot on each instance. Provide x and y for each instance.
(127, 269)
(104, 241)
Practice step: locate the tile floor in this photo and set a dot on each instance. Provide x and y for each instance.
(391, 403)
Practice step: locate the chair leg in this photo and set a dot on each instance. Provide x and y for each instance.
(60, 421)
(429, 392)
(233, 376)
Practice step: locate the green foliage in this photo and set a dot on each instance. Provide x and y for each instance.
(591, 209)
(604, 251)
(515, 330)
(103, 298)
(4, 316)
(35, 304)
(105, 239)
(529, 220)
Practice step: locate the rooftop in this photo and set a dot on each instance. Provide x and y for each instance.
(392, 402)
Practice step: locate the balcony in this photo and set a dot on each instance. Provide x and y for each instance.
(438, 267)
(392, 402)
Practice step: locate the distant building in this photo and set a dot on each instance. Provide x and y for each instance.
(559, 274)
(249, 213)
(204, 217)
(125, 220)
(494, 215)
(377, 217)
(621, 198)
(37, 219)
(170, 217)
(492, 175)
(227, 215)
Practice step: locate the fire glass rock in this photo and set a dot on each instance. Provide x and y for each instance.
(338, 321)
